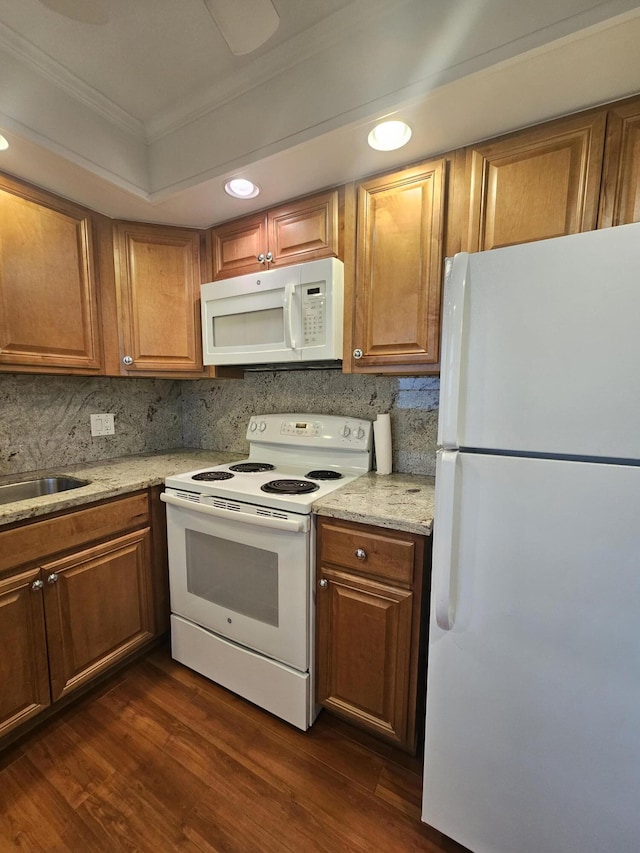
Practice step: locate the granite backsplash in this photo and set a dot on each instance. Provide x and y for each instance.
(44, 420)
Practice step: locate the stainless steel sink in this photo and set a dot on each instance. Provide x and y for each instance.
(26, 489)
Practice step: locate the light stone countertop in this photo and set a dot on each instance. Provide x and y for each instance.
(399, 501)
(108, 479)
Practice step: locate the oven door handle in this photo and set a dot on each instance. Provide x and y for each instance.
(300, 525)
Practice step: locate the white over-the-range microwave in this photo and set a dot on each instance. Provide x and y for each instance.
(278, 317)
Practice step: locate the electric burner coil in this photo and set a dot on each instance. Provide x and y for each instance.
(321, 474)
(252, 467)
(289, 487)
(212, 476)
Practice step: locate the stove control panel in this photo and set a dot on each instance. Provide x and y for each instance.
(300, 428)
(310, 431)
(355, 432)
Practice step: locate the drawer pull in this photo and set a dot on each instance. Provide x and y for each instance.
(53, 578)
(323, 583)
(36, 585)
(361, 554)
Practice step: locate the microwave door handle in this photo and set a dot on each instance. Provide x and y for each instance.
(289, 292)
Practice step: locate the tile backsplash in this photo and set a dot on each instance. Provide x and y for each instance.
(44, 420)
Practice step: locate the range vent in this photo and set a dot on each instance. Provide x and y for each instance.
(189, 496)
(221, 504)
(269, 513)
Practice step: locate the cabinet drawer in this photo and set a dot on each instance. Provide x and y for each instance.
(368, 550)
(38, 539)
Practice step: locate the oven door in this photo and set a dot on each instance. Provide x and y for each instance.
(242, 575)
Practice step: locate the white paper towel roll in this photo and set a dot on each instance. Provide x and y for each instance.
(382, 443)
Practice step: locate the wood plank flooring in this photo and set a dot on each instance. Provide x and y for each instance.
(159, 759)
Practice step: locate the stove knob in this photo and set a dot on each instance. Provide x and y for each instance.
(360, 433)
(262, 426)
(346, 431)
(253, 426)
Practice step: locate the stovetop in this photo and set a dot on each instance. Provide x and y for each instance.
(288, 453)
(248, 487)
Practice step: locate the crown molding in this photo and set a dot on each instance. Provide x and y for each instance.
(27, 53)
(334, 29)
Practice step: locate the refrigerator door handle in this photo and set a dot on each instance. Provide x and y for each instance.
(444, 548)
(453, 312)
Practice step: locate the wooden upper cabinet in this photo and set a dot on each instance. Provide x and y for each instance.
(303, 230)
(400, 218)
(620, 197)
(236, 246)
(49, 317)
(158, 288)
(538, 183)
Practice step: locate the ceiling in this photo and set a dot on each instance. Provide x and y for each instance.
(146, 115)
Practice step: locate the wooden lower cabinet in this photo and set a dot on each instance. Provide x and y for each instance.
(98, 608)
(24, 677)
(369, 621)
(73, 612)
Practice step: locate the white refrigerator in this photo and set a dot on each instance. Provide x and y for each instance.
(532, 737)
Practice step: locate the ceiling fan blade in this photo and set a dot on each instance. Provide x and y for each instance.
(244, 24)
(86, 11)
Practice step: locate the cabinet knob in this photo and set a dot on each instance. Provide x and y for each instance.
(127, 360)
(53, 578)
(269, 256)
(323, 583)
(361, 554)
(36, 585)
(261, 257)
(357, 353)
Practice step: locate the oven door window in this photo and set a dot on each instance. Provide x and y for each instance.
(233, 575)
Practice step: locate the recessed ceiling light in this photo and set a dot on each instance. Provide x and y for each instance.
(4, 144)
(241, 188)
(389, 135)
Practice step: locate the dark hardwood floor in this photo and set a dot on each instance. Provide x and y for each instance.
(159, 759)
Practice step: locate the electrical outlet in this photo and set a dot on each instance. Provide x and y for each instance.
(102, 424)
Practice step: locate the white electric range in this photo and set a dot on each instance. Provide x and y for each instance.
(242, 557)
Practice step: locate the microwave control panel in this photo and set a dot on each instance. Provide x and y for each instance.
(314, 319)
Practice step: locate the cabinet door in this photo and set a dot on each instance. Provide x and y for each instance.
(24, 681)
(158, 279)
(304, 230)
(364, 652)
(48, 294)
(536, 184)
(399, 271)
(236, 246)
(620, 199)
(99, 608)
